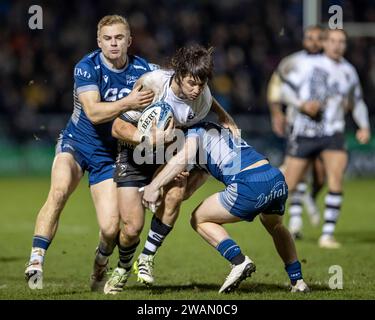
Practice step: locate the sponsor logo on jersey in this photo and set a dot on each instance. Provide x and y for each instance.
(279, 190)
(131, 79)
(82, 73)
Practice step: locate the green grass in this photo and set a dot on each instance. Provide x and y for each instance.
(186, 267)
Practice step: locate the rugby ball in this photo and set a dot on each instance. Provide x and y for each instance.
(160, 111)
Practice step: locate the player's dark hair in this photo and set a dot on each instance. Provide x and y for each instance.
(194, 60)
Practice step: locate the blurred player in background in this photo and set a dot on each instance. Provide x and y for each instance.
(103, 82)
(282, 124)
(322, 89)
(253, 187)
(185, 89)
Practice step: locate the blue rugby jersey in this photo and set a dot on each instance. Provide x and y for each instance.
(219, 153)
(93, 73)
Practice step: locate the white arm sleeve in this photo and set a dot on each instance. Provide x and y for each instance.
(360, 114)
(360, 111)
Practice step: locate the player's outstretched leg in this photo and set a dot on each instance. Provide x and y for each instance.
(286, 249)
(65, 176)
(207, 220)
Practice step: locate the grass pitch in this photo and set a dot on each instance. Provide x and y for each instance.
(186, 267)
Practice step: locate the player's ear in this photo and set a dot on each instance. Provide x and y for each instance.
(99, 42)
(130, 40)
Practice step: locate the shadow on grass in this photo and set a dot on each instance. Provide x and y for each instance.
(245, 287)
(270, 287)
(54, 291)
(49, 294)
(11, 259)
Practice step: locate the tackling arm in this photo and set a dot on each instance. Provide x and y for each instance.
(177, 164)
(124, 130)
(174, 167)
(224, 118)
(101, 112)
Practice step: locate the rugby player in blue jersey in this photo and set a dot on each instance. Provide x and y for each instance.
(103, 83)
(253, 187)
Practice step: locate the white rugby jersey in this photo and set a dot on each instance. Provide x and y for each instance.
(334, 84)
(186, 113)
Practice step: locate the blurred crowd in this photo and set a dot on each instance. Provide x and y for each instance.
(249, 36)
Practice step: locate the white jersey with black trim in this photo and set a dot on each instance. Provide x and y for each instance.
(287, 66)
(186, 113)
(334, 84)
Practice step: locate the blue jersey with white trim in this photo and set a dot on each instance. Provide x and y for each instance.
(219, 153)
(92, 73)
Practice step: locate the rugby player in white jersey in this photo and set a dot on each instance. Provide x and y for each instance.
(282, 123)
(185, 89)
(323, 88)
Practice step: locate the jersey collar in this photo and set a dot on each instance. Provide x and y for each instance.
(103, 60)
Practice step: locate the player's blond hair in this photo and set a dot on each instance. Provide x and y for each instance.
(111, 20)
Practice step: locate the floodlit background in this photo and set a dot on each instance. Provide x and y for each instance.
(250, 38)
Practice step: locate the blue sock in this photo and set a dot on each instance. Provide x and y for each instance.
(231, 251)
(294, 271)
(39, 248)
(41, 242)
